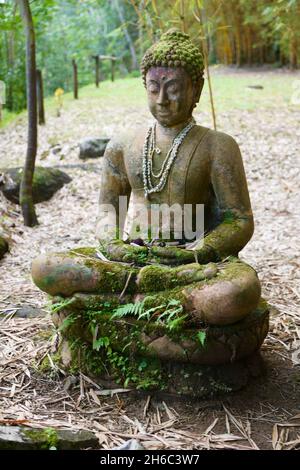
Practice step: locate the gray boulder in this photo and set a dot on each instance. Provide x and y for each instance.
(46, 182)
(92, 148)
(21, 438)
(3, 246)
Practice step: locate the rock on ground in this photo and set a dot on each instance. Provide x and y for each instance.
(92, 148)
(46, 182)
(3, 246)
(22, 438)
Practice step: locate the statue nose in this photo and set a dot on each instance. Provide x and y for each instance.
(162, 98)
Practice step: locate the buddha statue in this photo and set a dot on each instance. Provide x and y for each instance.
(162, 266)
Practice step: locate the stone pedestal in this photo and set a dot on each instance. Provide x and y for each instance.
(184, 359)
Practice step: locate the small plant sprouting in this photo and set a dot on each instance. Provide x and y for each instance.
(128, 309)
(102, 342)
(67, 322)
(56, 307)
(201, 336)
(169, 317)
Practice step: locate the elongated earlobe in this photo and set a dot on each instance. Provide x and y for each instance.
(198, 90)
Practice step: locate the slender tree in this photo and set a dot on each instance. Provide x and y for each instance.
(199, 17)
(26, 198)
(75, 79)
(40, 97)
(97, 70)
(119, 9)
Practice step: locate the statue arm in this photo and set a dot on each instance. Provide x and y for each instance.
(230, 186)
(114, 183)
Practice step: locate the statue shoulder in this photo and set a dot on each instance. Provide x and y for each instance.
(219, 144)
(126, 140)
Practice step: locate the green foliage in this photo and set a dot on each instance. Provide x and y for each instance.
(201, 336)
(102, 342)
(48, 436)
(67, 322)
(242, 32)
(58, 306)
(169, 316)
(128, 309)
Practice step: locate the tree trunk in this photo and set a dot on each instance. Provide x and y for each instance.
(157, 15)
(112, 70)
(26, 199)
(10, 42)
(75, 80)
(97, 71)
(249, 45)
(40, 97)
(293, 51)
(206, 64)
(130, 43)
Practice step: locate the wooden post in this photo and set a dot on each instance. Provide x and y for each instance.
(40, 97)
(75, 79)
(97, 70)
(112, 70)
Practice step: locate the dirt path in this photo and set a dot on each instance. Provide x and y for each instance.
(269, 141)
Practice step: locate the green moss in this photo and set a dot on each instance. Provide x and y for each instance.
(46, 437)
(155, 278)
(174, 49)
(45, 367)
(86, 251)
(118, 348)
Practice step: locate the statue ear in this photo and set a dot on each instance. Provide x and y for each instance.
(198, 87)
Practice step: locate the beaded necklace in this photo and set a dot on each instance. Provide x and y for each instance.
(148, 151)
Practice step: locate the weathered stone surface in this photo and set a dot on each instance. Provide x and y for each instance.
(29, 312)
(46, 182)
(22, 438)
(92, 147)
(164, 348)
(3, 246)
(220, 344)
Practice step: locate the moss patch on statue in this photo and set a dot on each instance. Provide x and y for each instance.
(134, 343)
(174, 49)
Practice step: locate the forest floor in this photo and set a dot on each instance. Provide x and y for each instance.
(265, 415)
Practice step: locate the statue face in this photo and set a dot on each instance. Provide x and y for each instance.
(171, 95)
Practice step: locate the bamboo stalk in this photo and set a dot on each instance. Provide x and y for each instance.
(199, 18)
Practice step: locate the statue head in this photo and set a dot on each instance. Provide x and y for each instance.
(172, 72)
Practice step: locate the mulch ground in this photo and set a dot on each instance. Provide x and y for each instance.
(266, 414)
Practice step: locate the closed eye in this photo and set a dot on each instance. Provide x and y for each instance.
(153, 89)
(173, 89)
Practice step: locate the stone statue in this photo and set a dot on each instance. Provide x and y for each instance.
(173, 163)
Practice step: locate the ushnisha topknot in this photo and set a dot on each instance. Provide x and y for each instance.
(174, 49)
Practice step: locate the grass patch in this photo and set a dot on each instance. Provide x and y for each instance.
(230, 89)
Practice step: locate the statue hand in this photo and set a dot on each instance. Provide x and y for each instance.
(176, 256)
(205, 254)
(118, 250)
(171, 255)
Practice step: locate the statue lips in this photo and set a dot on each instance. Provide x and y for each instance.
(164, 113)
